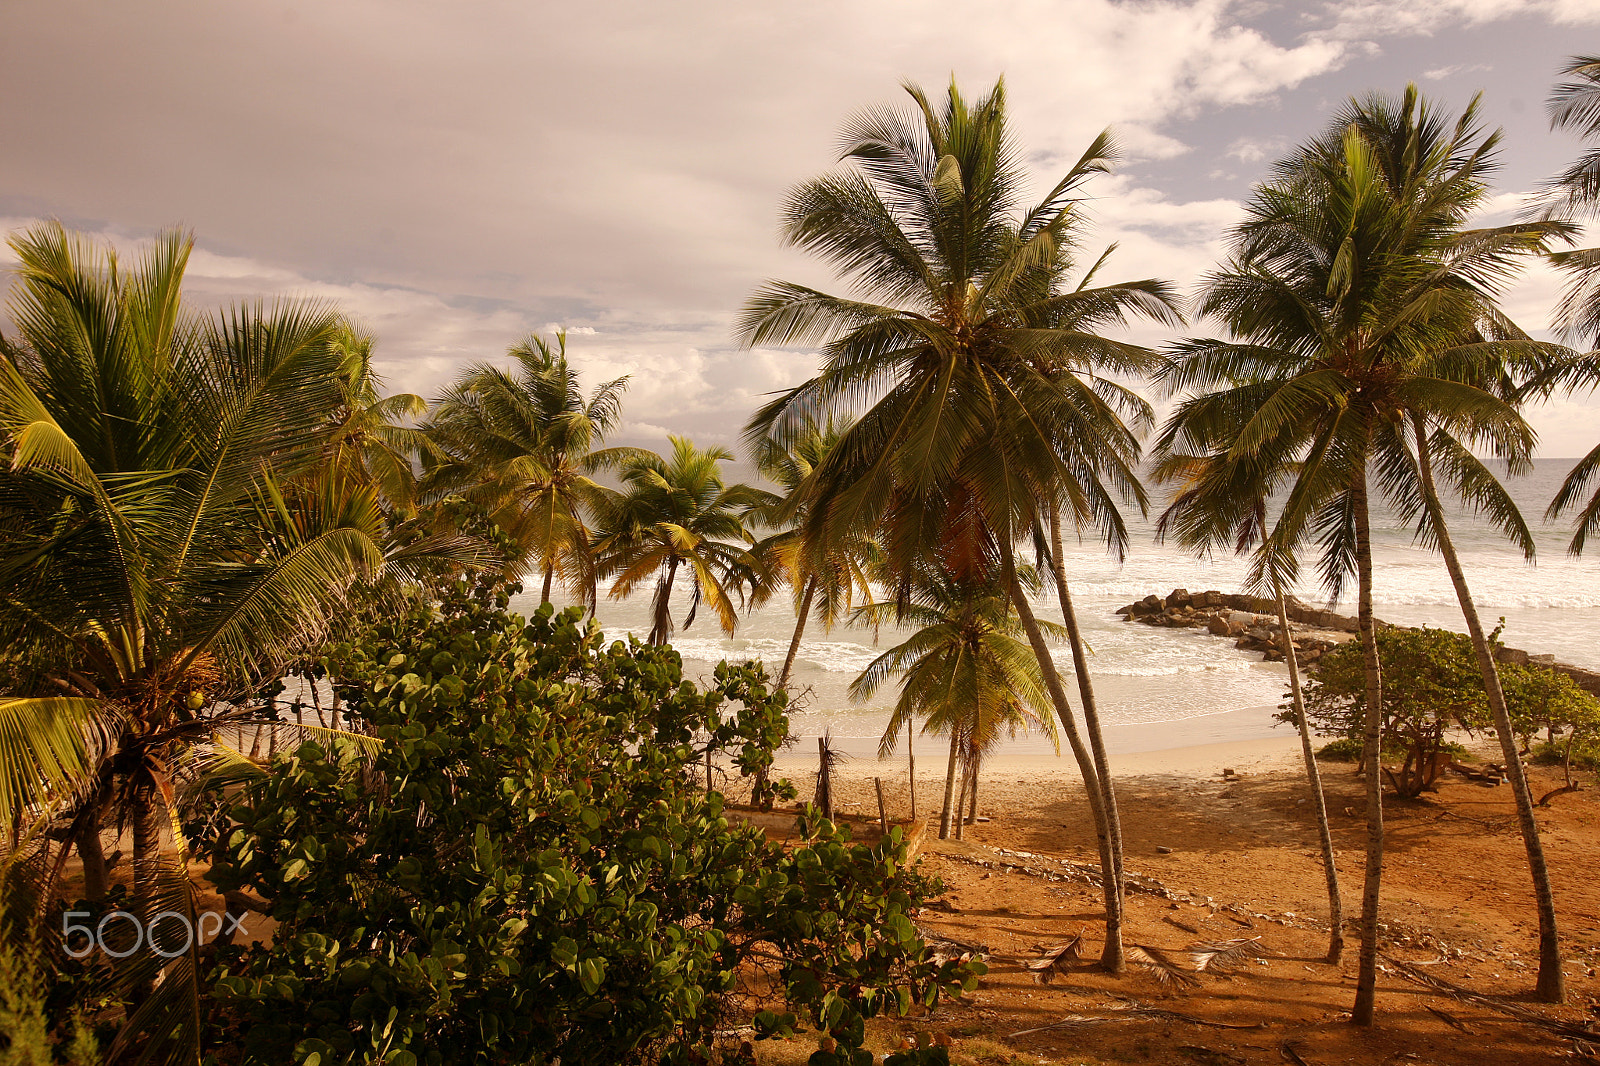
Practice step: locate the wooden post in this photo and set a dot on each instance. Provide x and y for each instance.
(911, 757)
(824, 783)
(883, 812)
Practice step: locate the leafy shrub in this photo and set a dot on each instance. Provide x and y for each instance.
(1431, 684)
(523, 869)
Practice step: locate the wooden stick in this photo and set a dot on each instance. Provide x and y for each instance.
(883, 812)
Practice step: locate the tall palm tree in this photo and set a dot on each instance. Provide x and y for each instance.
(964, 673)
(842, 572)
(521, 443)
(678, 514)
(1204, 514)
(952, 338)
(1351, 275)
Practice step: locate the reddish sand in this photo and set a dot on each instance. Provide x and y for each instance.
(1457, 901)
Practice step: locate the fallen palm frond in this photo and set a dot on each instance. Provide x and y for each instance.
(1514, 1010)
(1155, 962)
(1044, 967)
(1450, 1019)
(1209, 1055)
(1291, 1054)
(1217, 955)
(944, 947)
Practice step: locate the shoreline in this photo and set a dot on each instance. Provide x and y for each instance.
(1194, 755)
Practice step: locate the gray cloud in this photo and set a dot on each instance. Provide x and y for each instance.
(459, 175)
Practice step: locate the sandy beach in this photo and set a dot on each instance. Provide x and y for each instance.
(1234, 859)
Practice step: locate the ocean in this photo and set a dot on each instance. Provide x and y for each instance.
(1163, 688)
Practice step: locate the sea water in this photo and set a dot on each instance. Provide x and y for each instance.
(1159, 688)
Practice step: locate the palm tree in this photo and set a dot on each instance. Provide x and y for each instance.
(677, 514)
(373, 438)
(954, 337)
(964, 673)
(1205, 514)
(842, 572)
(1575, 193)
(521, 443)
(1350, 277)
(161, 550)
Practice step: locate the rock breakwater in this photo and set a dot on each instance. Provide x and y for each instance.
(1251, 622)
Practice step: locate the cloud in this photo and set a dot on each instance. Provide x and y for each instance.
(1441, 73)
(1371, 19)
(459, 175)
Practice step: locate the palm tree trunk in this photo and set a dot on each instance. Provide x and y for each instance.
(96, 877)
(1367, 969)
(1091, 712)
(663, 619)
(1314, 778)
(146, 818)
(1551, 986)
(799, 628)
(949, 786)
(1112, 956)
(549, 576)
(961, 799)
(972, 813)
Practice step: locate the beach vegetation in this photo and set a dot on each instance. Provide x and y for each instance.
(1365, 343)
(522, 869)
(988, 393)
(966, 672)
(673, 514)
(1433, 687)
(521, 444)
(824, 584)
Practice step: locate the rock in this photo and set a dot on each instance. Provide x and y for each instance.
(1125, 610)
(1243, 618)
(1178, 598)
(1163, 850)
(1235, 629)
(1217, 626)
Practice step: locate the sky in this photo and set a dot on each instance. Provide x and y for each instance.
(456, 175)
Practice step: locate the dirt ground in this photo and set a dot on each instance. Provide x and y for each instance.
(1239, 859)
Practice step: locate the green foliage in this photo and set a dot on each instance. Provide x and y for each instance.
(524, 870)
(30, 1035)
(1431, 684)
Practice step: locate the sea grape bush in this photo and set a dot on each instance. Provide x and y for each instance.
(524, 871)
(1431, 684)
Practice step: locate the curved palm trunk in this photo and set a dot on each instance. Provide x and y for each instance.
(549, 577)
(663, 613)
(799, 629)
(1551, 986)
(1091, 712)
(1367, 969)
(1112, 956)
(949, 786)
(1314, 779)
